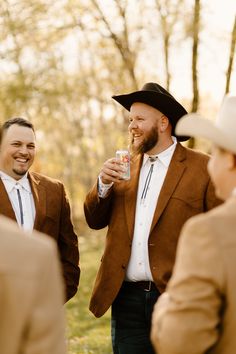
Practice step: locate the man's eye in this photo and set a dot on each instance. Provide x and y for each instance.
(15, 144)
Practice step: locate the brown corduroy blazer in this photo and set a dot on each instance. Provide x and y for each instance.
(53, 217)
(186, 191)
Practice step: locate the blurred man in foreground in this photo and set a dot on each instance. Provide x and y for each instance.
(31, 293)
(197, 314)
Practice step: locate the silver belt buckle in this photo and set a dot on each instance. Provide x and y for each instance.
(149, 286)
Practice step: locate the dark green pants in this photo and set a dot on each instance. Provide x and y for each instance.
(131, 320)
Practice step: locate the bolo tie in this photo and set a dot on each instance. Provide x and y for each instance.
(152, 159)
(20, 205)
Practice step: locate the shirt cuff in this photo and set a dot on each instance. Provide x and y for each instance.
(103, 188)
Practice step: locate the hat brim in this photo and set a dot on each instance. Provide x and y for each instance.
(164, 103)
(196, 126)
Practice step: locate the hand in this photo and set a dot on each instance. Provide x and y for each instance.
(112, 171)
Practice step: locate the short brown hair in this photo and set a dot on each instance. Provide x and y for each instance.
(16, 120)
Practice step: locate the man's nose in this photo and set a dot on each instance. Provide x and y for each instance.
(24, 150)
(132, 125)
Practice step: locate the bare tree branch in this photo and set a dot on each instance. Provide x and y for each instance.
(168, 18)
(122, 44)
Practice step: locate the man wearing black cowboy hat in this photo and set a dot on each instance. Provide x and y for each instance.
(169, 183)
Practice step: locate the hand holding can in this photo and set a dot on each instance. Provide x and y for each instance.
(124, 157)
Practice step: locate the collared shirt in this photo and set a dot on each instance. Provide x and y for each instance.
(103, 188)
(28, 206)
(139, 267)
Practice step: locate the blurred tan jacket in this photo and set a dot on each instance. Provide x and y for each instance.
(31, 293)
(197, 314)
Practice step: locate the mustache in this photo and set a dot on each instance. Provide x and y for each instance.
(132, 149)
(147, 144)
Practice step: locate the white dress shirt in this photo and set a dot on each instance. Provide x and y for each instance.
(139, 267)
(27, 199)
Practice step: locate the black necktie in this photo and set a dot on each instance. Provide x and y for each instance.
(20, 206)
(152, 159)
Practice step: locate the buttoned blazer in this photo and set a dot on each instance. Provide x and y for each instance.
(53, 217)
(198, 311)
(186, 191)
(31, 293)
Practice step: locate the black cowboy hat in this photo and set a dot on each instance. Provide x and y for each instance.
(156, 96)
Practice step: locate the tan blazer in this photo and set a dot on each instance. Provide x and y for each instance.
(31, 293)
(186, 191)
(53, 217)
(198, 313)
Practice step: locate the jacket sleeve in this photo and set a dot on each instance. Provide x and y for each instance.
(186, 317)
(68, 247)
(97, 210)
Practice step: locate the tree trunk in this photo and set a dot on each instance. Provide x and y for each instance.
(195, 102)
(231, 57)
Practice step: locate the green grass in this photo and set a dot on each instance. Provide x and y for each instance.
(85, 333)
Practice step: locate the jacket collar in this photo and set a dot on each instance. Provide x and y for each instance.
(39, 195)
(174, 173)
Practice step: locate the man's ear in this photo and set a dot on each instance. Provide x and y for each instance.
(164, 123)
(230, 160)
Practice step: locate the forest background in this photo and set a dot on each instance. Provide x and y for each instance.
(60, 63)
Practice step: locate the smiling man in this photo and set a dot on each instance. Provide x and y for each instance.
(169, 183)
(34, 200)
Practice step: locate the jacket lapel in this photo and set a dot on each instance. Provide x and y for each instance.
(174, 173)
(39, 195)
(131, 188)
(5, 204)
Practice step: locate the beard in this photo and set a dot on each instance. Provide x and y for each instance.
(147, 144)
(19, 172)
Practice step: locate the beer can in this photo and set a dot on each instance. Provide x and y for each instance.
(124, 157)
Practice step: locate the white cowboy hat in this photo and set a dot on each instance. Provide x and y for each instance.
(222, 132)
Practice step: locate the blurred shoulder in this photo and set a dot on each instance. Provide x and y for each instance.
(17, 247)
(219, 221)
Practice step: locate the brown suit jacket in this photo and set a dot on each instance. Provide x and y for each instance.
(52, 218)
(31, 293)
(197, 314)
(186, 191)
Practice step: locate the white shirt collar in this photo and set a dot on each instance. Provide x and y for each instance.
(164, 156)
(11, 182)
